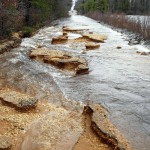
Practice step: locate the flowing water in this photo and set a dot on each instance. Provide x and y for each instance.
(73, 4)
(119, 79)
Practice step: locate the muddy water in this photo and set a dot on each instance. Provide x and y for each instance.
(119, 79)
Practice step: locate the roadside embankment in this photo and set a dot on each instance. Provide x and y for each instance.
(10, 43)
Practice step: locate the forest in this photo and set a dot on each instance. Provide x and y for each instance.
(27, 15)
(132, 7)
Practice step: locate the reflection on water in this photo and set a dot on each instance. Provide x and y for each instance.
(119, 79)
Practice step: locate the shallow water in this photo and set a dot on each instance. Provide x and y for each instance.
(119, 79)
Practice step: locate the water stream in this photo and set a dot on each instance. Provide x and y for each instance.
(119, 79)
(73, 4)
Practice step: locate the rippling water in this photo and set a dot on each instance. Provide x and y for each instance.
(119, 79)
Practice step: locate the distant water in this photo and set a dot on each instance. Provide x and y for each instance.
(72, 10)
(73, 4)
(144, 20)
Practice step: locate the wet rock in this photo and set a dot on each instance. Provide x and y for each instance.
(133, 42)
(95, 37)
(106, 131)
(90, 46)
(84, 52)
(81, 40)
(119, 47)
(90, 32)
(143, 53)
(17, 99)
(60, 40)
(56, 131)
(61, 59)
(82, 69)
(138, 52)
(73, 29)
(65, 33)
(5, 143)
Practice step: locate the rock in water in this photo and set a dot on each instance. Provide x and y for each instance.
(95, 37)
(5, 143)
(61, 59)
(73, 29)
(91, 46)
(60, 40)
(143, 53)
(17, 99)
(119, 47)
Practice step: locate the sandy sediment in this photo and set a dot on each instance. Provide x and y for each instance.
(48, 126)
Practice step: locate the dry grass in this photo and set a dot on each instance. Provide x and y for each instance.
(141, 27)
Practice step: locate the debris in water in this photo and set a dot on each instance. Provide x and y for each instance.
(61, 59)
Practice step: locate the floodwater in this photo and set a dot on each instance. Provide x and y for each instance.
(73, 4)
(119, 79)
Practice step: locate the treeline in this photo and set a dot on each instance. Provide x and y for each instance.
(115, 13)
(18, 15)
(131, 7)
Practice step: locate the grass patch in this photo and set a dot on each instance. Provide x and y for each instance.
(27, 31)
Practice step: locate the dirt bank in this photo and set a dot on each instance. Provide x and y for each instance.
(12, 42)
(57, 127)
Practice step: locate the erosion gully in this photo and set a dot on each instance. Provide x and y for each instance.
(119, 79)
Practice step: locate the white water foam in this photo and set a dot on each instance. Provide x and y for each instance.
(73, 4)
(72, 10)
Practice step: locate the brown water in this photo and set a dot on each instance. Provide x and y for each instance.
(119, 79)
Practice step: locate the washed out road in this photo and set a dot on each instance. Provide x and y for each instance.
(119, 78)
